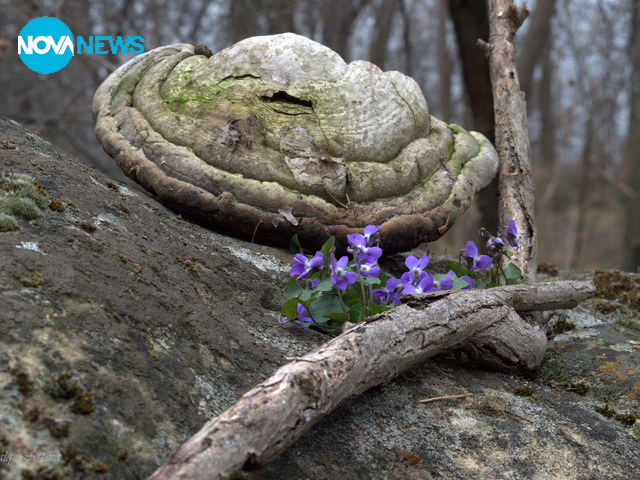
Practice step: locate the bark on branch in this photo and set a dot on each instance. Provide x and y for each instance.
(269, 418)
(512, 133)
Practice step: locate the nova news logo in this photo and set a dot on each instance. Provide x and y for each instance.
(46, 45)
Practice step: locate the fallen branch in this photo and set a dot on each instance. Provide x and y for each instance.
(270, 417)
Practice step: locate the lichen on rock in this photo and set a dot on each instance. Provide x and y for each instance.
(282, 123)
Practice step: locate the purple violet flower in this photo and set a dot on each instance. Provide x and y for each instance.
(340, 277)
(369, 270)
(303, 266)
(494, 245)
(415, 266)
(445, 283)
(512, 234)
(364, 252)
(383, 295)
(314, 283)
(475, 261)
(301, 317)
(369, 231)
(425, 285)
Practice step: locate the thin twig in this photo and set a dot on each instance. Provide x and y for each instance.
(253, 237)
(447, 397)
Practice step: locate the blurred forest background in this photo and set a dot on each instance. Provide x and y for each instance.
(579, 65)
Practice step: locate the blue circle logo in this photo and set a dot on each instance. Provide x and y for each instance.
(45, 45)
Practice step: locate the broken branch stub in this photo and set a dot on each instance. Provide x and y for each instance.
(270, 417)
(282, 124)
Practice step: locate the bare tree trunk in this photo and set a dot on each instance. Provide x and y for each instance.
(445, 67)
(280, 15)
(269, 418)
(547, 145)
(406, 38)
(631, 245)
(471, 22)
(547, 117)
(584, 193)
(379, 42)
(536, 42)
(338, 16)
(512, 133)
(243, 20)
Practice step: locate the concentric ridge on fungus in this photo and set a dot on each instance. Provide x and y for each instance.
(277, 135)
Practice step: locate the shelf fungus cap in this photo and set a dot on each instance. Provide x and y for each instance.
(278, 135)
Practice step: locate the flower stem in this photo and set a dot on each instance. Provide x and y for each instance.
(344, 308)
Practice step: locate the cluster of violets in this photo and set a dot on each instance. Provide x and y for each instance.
(354, 288)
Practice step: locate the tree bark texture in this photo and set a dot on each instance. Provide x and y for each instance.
(270, 417)
(512, 134)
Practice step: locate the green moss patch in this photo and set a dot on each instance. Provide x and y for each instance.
(627, 419)
(629, 323)
(581, 388)
(524, 391)
(21, 196)
(88, 226)
(615, 285)
(621, 294)
(548, 268)
(561, 325)
(606, 307)
(65, 388)
(7, 223)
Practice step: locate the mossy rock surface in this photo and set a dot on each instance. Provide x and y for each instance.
(277, 135)
(156, 325)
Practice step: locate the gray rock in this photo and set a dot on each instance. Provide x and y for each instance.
(141, 330)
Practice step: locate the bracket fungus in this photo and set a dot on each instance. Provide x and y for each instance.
(278, 135)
